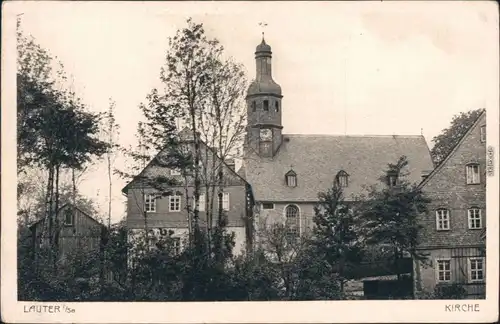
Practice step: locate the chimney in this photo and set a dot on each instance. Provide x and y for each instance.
(231, 164)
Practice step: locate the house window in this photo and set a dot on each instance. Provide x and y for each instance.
(476, 269)
(175, 172)
(277, 106)
(225, 201)
(342, 179)
(176, 245)
(68, 217)
(254, 106)
(443, 270)
(474, 218)
(291, 179)
(483, 133)
(472, 173)
(150, 203)
(267, 206)
(292, 220)
(442, 219)
(266, 105)
(174, 203)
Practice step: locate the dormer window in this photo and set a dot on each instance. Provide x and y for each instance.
(291, 179)
(266, 105)
(277, 106)
(392, 179)
(342, 179)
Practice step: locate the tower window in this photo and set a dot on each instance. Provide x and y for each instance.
(277, 106)
(266, 105)
(254, 106)
(291, 179)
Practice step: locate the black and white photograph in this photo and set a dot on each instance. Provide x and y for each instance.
(188, 162)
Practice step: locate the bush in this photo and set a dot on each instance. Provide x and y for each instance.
(453, 291)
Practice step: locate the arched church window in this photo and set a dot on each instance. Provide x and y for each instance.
(254, 106)
(292, 215)
(291, 179)
(342, 179)
(266, 105)
(277, 106)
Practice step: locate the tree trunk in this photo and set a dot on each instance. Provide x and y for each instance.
(57, 227)
(188, 209)
(48, 205)
(396, 263)
(110, 191)
(197, 182)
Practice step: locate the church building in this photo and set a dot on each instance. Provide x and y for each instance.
(287, 171)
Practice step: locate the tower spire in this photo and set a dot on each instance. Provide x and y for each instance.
(264, 105)
(263, 25)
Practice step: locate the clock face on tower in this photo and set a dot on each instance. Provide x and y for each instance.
(265, 134)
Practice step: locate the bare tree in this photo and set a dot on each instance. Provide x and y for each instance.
(203, 94)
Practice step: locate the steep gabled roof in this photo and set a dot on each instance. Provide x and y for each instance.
(452, 152)
(155, 170)
(68, 205)
(317, 159)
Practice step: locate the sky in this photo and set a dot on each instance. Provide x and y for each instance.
(377, 68)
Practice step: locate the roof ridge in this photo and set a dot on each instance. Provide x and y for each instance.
(351, 135)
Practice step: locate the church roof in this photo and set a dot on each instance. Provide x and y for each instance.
(263, 47)
(266, 86)
(316, 159)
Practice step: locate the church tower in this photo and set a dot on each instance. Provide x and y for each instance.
(264, 106)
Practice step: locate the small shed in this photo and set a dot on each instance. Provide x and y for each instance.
(76, 231)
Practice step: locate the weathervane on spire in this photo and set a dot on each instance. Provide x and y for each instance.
(263, 25)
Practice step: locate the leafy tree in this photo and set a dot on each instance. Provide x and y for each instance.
(317, 278)
(202, 93)
(301, 272)
(449, 137)
(390, 212)
(32, 194)
(254, 277)
(282, 248)
(54, 130)
(334, 238)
